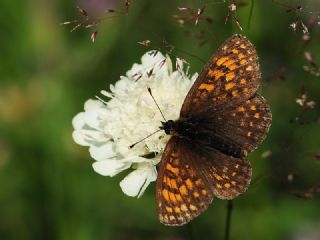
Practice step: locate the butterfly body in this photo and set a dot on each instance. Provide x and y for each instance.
(221, 120)
(191, 130)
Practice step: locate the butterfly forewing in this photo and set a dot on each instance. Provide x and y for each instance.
(182, 193)
(231, 76)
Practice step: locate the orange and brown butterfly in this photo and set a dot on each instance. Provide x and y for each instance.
(222, 119)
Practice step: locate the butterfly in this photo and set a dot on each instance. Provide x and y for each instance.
(222, 119)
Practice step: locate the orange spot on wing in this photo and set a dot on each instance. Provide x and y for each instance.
(177, 210)
(249, 68)
(241, 55)
(206, 86)
(227, 185)
(221, 60)
(229, 85)
(228, 62)
(215, 73)
(218, 177)
(172, 197)
(183, 190)
(257, 115)
(243, 61)
(169, 209)
(211, 73)
(165, 194)
(218, 74)
(178, 197)
(193, 207)
(184, 207)
(232, 67)
(241, 109)
(253, 107)
(189, 183)
(235, 93)
(172, 169)
(199, 182)
(230, 76)
(173, 184)
(243, 81)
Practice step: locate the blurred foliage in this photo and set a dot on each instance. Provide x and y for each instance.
(48, 188)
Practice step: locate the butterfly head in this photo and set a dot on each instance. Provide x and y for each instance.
(168, 126)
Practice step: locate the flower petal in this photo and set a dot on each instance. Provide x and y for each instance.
(150, 60)
(78, 121)
(102, 152)
(137, 181)
(152, 57)
(110, 167)
(88, 137)
(152, 176)
(92, 104)
(80, 139)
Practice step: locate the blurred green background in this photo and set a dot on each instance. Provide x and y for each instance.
(48, 189)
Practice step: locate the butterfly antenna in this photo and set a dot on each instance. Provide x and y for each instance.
(131, 146)
(149, 90)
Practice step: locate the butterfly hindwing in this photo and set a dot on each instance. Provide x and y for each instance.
(189, 177)
(231, 76)
(228, 176)
(244, 125)
(181, 192)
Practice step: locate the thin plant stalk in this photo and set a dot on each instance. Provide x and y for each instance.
(228, 220)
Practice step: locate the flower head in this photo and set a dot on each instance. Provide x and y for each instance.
(109, 128)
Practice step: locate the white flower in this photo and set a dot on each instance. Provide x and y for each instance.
(109, 128)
